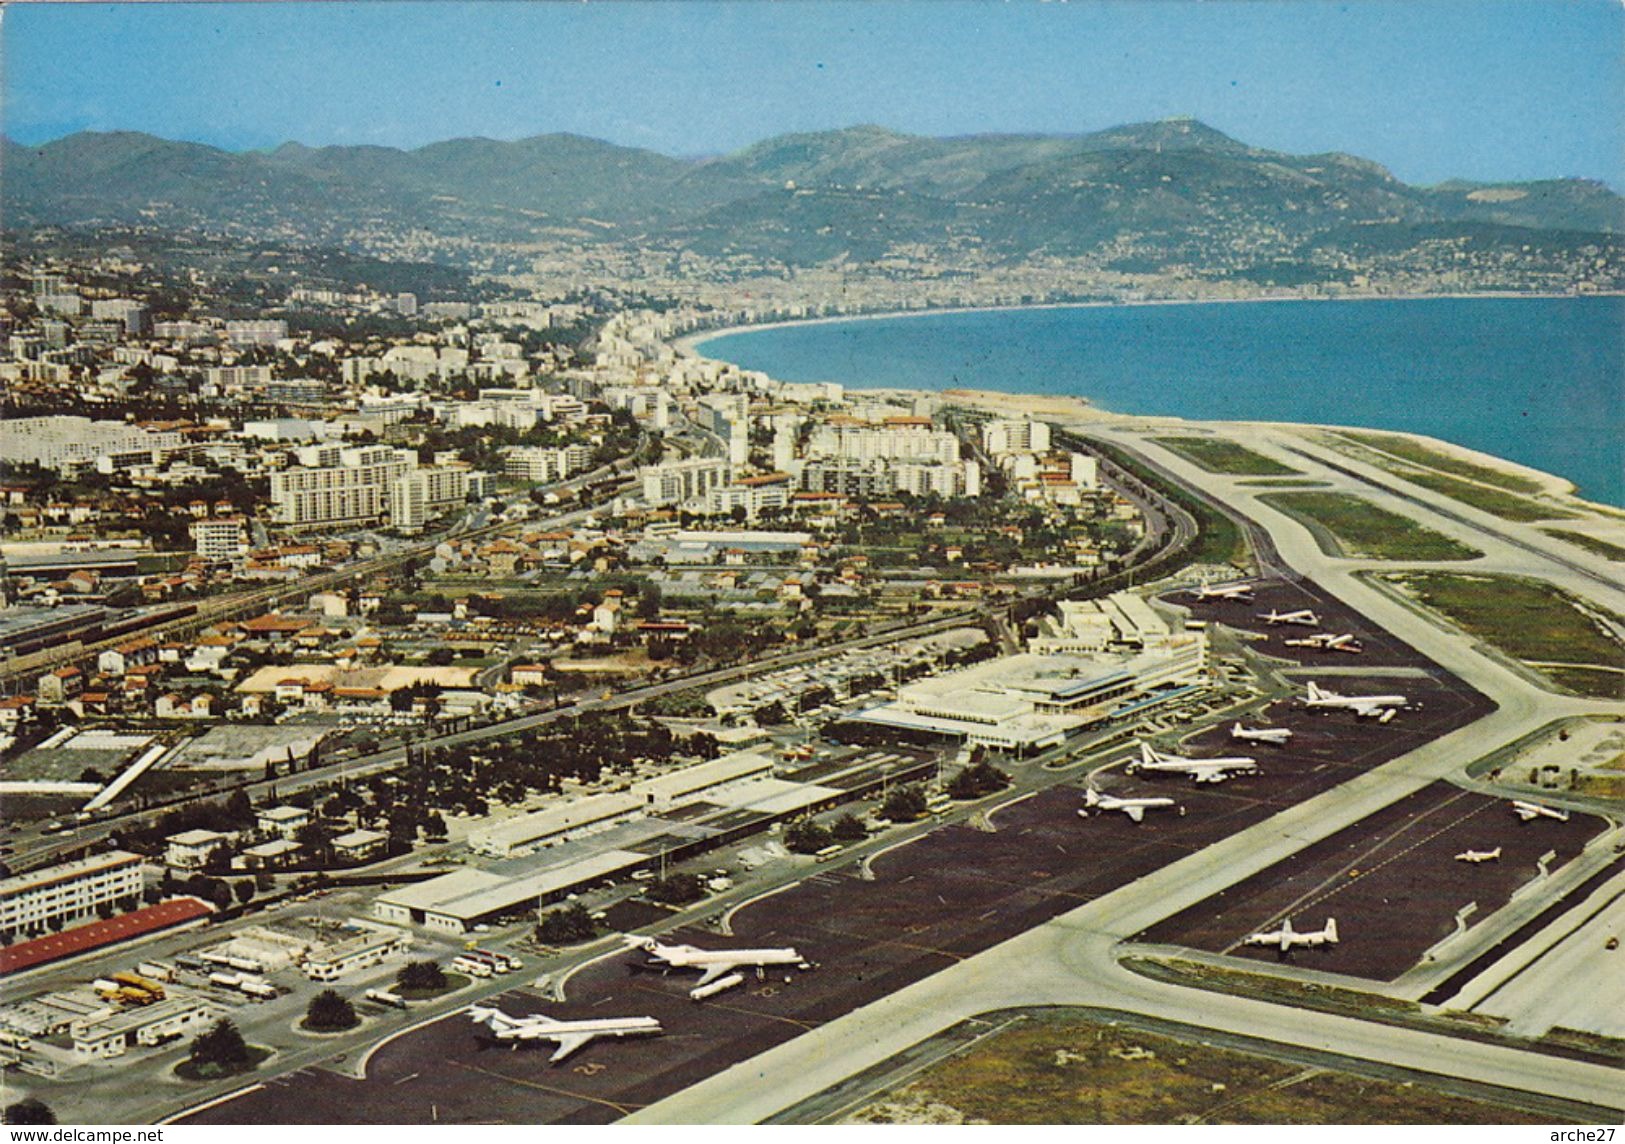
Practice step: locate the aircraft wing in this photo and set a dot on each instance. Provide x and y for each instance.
(1366, 710)
(714, 971)
(1137, 813)
(567, 1045)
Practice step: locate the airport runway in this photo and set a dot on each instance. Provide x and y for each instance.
(1072, 958)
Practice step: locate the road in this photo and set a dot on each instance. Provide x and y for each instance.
(1074, 959)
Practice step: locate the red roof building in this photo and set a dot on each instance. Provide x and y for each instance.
(95, 935)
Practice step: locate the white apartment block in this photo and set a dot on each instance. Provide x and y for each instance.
(541, 465)
(334, 485)
(259, 332)
(913, 443)
(69, 443)
(753, 499)
(68, 892)
(1015, 436)
(679, 481)
(230, 377)
(222, 540)
(420, 495)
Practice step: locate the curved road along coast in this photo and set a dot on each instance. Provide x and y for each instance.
(1073, 959)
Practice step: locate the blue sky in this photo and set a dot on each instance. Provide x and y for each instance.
(1484, 89)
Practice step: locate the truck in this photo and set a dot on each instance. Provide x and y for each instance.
(144, 984)
(471, 966)
(157, 970)
(259, 989)
(226, 980)
(501, 962)
(385, 997)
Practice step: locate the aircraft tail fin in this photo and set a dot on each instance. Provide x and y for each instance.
(1331, 930)
(1315, 692)
(1091, 797)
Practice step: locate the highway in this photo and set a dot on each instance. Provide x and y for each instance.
(1074, 959)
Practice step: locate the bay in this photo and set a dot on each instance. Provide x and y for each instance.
(1540, 381)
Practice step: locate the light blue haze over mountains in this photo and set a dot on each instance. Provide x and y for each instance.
(1540, 381)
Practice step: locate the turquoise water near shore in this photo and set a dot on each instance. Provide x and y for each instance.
(1540, 381)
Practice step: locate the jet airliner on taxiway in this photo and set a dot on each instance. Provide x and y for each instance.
(1135, 808)
(1365, 706)
(1200, 770)
(1325, 641)
(1477, 856)
(1528, 811)
(1275, 736)
(714, 962)
(568, 1035)
(1241, 590)
(1306, 618)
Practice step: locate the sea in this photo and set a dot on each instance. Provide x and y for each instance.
(1540, 381)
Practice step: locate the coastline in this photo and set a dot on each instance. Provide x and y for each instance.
(691, 343)
(1077, 410)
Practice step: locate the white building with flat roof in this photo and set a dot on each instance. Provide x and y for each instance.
(68, 892)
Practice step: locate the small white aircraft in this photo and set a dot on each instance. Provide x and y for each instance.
(1325, 641)
(715, 962)
(1307, 618)
(1477, 856)
(1135, 808)
(1532, 810)
(568, 1035)
(1287, 938)
(1241, 590)
(1200, 770)
(1275, 736)
(1365, 706)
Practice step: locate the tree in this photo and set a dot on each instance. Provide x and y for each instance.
(245, 891)
(31, 1110)
(771, 715)
(904, 804)
(421, 976)
(848, 829)
(220, 1051)
(806, 836)
(565, 926)
(677, 890)
(329, 1012)
(977, 780)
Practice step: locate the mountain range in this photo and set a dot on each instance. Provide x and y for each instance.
(1171, 190)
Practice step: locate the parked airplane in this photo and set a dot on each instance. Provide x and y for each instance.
(1242, 590)
(715, 962)
(1531, 810)
(1135, 808)
(1364, 706)
(1307, 618)
(1325, 641)
(568, 1035)
(1275, 736)
(1200, 770)
(1477, 856)
(1286, 937)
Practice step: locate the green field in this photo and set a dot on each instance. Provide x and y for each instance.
(1504, 505)
(1528, 620)
(1068, 1070)
(1590, 543)
(1348, 525)
(1417, 453)
(1217, 455)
